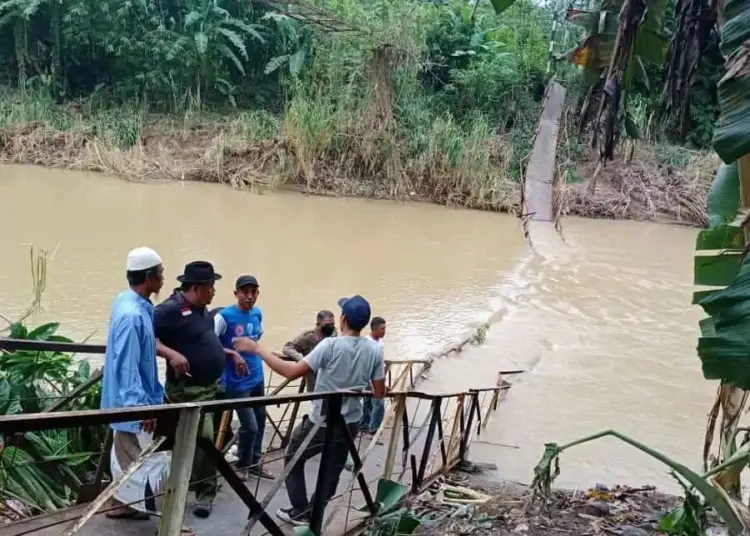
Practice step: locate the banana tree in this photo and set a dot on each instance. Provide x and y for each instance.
(722, 265)
(621, 36)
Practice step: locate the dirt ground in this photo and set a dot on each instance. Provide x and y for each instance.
(619, 511)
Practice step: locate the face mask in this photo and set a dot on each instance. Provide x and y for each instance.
(327, 330)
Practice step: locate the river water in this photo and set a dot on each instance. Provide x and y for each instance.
(602, 321)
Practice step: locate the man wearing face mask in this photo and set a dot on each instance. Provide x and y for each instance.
(305, 342)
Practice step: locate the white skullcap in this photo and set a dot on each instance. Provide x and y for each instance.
(142, 259)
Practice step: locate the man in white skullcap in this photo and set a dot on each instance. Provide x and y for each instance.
(131, 379)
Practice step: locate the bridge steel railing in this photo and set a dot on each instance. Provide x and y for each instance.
(432, 432)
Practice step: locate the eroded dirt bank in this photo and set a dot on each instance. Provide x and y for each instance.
(655, 185)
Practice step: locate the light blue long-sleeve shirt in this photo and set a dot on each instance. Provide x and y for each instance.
(130, 377)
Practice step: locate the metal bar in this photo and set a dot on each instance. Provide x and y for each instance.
(293, 417)
(89, 492)
(12, 345)
(466, 426)
(273, 424)
(233, 479)
(414, 476)
(253, 519)
(181, 465)
(405, 428)
(333, 411)
(357, 466)
(441, 438)
(11, 424)
(492, 407)
(108, 493)
(428, 440)
(85, 386)
(390, 458)
(456, 421)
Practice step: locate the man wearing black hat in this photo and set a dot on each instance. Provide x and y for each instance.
(347, 362)
(184, 325)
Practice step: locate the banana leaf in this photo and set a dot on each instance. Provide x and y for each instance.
(501, 5)
(732, 133)
(724, 345)
(723, 234)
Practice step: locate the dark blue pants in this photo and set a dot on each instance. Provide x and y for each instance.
(252, 426)
(373, 411)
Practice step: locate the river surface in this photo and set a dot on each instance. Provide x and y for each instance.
(602, 321)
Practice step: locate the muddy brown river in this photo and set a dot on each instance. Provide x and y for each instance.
(602, 321)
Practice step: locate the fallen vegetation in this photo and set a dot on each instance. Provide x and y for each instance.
(621, 511)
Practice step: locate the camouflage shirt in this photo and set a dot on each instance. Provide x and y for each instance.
(301, 346)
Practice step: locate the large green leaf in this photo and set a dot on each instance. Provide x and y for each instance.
(595, 51)
(724, 347)
(723, 199)
(501, 5)
(716, 270)
(732, 133)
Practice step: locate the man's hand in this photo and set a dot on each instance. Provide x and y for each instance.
(179, 364)
(148, 426)
(240, 366)
(245, 344)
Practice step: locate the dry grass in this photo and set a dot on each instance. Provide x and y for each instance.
(646, 189)
(369, 162)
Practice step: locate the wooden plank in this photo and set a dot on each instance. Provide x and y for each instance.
(108, 493)
(179, 472)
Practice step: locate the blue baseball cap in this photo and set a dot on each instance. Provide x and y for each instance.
(356, 310)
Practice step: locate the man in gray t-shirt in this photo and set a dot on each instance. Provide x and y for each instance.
(344, 363)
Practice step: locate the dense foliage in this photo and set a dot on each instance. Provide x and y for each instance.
(39, 472)
(435, 96)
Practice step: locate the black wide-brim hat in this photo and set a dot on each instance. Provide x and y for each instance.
(199, 272)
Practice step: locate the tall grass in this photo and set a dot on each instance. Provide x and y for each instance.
(432, 100)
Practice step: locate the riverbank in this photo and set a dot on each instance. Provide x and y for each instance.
(259, 151)
(476, 505)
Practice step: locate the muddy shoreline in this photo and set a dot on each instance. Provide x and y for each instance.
(644, 189)
(617, 510)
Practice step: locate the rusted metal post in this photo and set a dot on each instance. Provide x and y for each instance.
(456, 422)
(293, 417)
(466, 425)
(428, 441)
(181, 465)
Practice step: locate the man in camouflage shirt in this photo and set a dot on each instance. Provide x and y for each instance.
(304, 343)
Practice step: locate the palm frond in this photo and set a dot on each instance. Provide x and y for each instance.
(236, 40)
(252, 30)
(227, 53)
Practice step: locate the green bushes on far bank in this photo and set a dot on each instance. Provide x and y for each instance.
(435, 101)
(431, 99)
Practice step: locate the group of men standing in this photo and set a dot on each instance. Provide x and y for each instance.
(213, 354)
